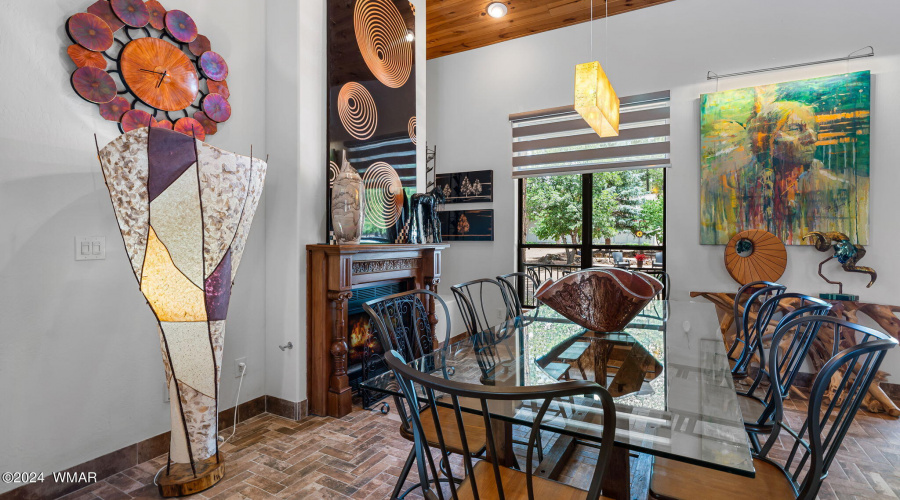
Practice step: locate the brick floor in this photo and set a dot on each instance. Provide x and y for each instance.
(360, 457)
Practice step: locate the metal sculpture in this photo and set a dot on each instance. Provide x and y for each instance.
(425, 222)
(847, 254)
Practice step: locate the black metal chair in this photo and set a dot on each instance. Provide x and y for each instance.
(489, 480)
(402, 325)
(658, 260)
(663, 278)
(539, 272)
(619, 260)
(794, 343)
(475, 298)
(520, 288)
(746, 315)
(810, 448)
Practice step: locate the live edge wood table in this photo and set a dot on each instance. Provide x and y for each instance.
(333, 272)
(820, 352)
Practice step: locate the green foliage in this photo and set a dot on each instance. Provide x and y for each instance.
(629, 200)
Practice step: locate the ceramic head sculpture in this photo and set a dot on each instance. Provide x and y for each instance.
(347, 205)
(184, 209)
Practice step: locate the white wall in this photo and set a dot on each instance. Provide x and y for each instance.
(672, 46)
(80, 368)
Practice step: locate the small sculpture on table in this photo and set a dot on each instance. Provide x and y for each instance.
(847, 254)
(425, 224)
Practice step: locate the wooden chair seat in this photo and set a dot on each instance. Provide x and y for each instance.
(672, 480)
(476, 437)
(514, 485)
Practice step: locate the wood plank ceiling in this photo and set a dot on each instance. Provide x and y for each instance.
(460, 25)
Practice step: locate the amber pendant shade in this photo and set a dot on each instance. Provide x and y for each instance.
(596, 100)
(601, 300)
(184, 209)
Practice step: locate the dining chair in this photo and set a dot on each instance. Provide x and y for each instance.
(402, 324)
(475, 298)
(663, 278)
(658, 259)
(794, 461)
(746, 315)
(487, 479)
(539, 272)
(619, 260)
(793, 344)
(519, 288)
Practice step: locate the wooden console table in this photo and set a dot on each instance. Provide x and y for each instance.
(820, 352)
(333, 271)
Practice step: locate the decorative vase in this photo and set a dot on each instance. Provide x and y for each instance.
(347, 205)
(184, 209)
(602, 300)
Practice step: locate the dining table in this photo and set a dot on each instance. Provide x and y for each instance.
(667, 371)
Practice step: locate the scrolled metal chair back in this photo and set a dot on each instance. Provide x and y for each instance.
(519, 288)
(835, 397)
(745, 329)
(791, 341)
(402, 322)
(420, 387)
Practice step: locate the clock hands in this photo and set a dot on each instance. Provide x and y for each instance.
(148, 71)
(162, 76)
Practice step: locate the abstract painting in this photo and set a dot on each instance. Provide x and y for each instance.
(467, 187)
(372, 105)
(790, 158)
(467, 225)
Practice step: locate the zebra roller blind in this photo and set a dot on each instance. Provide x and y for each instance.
(558, 141)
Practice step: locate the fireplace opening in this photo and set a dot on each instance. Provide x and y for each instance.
(365, 357)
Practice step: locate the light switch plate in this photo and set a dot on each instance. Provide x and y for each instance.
(90, 247)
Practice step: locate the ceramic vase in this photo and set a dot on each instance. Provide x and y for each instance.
(347, 205)
(602, 300)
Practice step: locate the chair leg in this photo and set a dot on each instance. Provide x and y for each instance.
(754, 442)
(402, 479)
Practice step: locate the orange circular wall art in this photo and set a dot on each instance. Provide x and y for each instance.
(356, 108)
(384, 195)
(147, 67)
(755, 255)
(381, 35)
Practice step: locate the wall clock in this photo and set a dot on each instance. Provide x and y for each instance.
(148, 67)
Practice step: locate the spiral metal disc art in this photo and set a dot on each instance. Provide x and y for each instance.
(766, 261)
(181, 26)
(412, 129)
(133, 13)
(101, 9)
(213, 66)
(220, 88)
(209, 125)
(89, 31)
(357, 111)
(136, 118)
(381, 36)
(216, 107)
(94, 85)
(199, 45)
(166, 124)
(384, 195)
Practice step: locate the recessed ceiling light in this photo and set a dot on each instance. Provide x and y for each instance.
(497, 9)
(410, 36)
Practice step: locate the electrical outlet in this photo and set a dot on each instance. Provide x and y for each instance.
(237, 367)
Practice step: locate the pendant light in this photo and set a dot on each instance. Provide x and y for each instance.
(595, 99)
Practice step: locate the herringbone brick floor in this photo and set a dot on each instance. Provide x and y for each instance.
(360, 457)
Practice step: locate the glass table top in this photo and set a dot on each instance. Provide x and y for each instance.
(667, 372)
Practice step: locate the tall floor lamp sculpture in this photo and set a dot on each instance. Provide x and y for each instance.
(184, 209)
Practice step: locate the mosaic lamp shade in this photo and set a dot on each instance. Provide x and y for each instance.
(596, 100)
(184, 209)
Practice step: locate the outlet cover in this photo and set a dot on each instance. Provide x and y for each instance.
(90, 247)
(237, 367)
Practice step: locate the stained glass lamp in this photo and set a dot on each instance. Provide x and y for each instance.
(596, 100)
(184, 209)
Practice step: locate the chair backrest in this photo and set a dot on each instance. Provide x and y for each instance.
(617, 257)
(402, 323)
(539, 273)
(658, 258)
(835, 397)
(475, 298)
(422, 389)
(759, 292)
(520, 288)
(792, 345)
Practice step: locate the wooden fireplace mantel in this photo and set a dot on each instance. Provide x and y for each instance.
(333, 271)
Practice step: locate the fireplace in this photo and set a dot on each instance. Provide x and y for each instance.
(365, 354)
(340, 278)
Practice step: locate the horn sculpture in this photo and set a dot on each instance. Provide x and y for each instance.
(846, 253)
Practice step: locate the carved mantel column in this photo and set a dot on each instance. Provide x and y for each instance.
(339, 382)
(431, 284)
